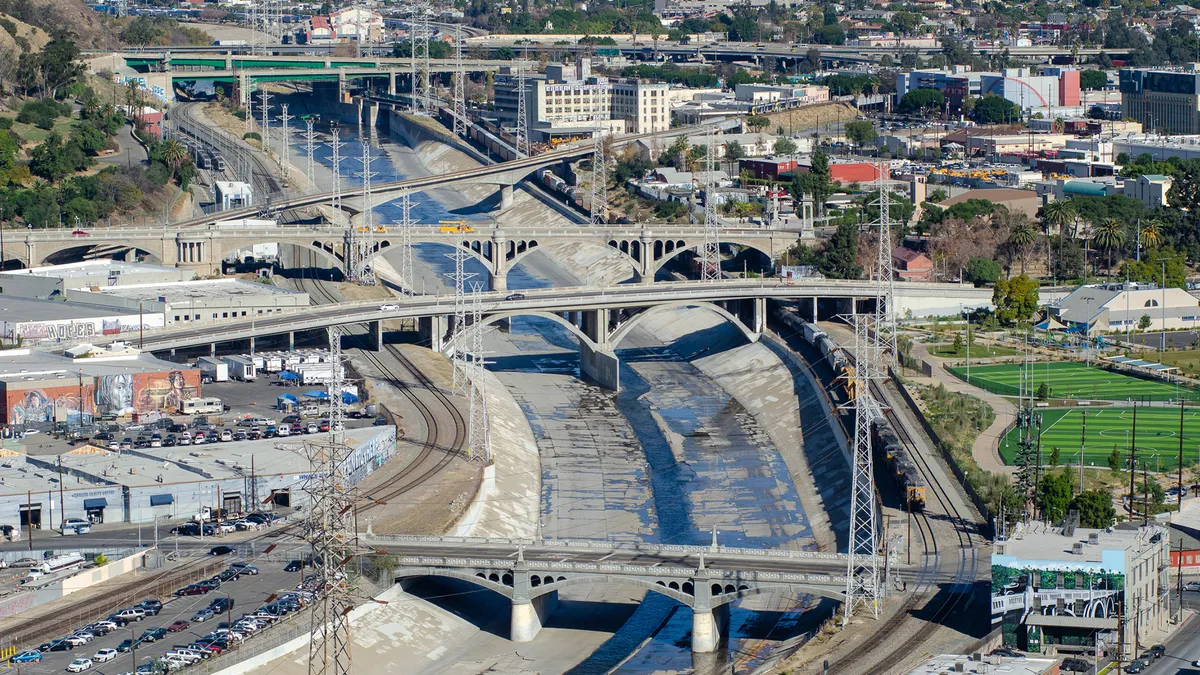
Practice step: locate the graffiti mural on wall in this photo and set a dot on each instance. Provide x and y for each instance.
(115, 392)
(164, 391)
(1077, 591)
(60, 404)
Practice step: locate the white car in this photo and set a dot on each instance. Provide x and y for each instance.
(79, 665)
(186, 657)
(226, 435)
(389, 308)
(105, 655)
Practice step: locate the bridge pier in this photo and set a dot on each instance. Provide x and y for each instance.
(376, 335)
(529, 616)
(506, 197)
(709, 628)
(599, 362)
(498, 272)
(291, 337)
(433, 330)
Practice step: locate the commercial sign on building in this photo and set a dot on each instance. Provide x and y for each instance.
(77, 329)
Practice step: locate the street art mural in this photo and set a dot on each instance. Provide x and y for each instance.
(115, 392)
(164, 391)
(51, 404)
(1083, 590)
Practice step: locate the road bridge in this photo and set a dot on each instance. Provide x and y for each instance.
(600, 318)
(531, 572)
(646, 248)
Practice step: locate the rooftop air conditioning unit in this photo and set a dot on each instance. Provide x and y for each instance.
(1077, 548)
(1094, 538)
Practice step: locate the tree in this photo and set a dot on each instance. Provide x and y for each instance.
(784, 146)
(860, 132)
(921, 102)
(1043, 391)
(1055, 456)
(1056, 215)
(1054, 496)
(1015, 299)
(733, 152)
(992, 109)
(1151, 234)
(1022, 238)
(1109, 235)
(840, 257)
(1095, 508)
(1092, 79)
(141, 32)
(1144, 322)
(59, 63)
(1115, 462)
(832, 34)
(758, 122)
(937, 196)
(958, 343)
(982, 271)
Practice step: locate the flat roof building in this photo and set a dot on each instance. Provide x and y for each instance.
(206, 301)
(1162, 99)
(942, 664)
(1120, 307)
(53, 281)
(1075, 587)
(29, 322)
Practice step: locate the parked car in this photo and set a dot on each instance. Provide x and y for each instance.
(1156, 652)
(76, 526)
(202, 616)
(56, 646)
(1193, 586)
(151, 607)
(222, 550)
(244, 568)
(178, 626)
(126, 645)
(1076, 665)
(79, 665)
(221, 606)
(193, 589)
(104, 655)
(153, 634)
(1136, 666)
(132, 614)
(29, 656)
(293, 566)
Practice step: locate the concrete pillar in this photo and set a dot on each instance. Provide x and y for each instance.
(529, 616)
(391, 83)
(432, 330)
(372, 115)
(291, 336)
(499, 264)
(814, 309)
(212, 349)
(251, 346)
(709, 628)
(646, 264)
(600, 365)
(228, 61)
(359, 101)
(376, 331)
(760, 315)
(506, 197)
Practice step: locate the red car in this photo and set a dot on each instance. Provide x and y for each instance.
(80, 233)
(178, 626)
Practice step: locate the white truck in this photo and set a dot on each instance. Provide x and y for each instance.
(241, 368)
(214, 369)
(58, 563)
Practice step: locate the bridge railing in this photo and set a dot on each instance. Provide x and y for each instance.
(682, 572)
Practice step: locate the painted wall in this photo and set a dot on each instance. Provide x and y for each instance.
(55, 331)
(164, 390)
(48, 404)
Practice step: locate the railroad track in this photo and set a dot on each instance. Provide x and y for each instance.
(437, 450)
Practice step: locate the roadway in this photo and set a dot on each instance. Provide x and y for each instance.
(1183, 649)
(551, 300)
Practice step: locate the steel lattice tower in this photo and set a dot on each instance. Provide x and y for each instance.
(479, 443)
(245, 98)
(419, 39)
(862, 566)
(285, 157)
(598, 206)
(364, 240)
(522, 114)
(460, 85)
(710, 256)
(264, 105)
(336, 145)
(462, 366)
(406, 255)
(308, 150)
(331, 531)
(885, 284)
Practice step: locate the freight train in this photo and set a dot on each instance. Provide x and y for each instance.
(884, 441)
(552, 182)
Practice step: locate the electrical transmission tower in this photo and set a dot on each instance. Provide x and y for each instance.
(885, 286)
(862, 568)
(460, 85)
(522, 114)
(363, 237)
(332, 532)
(406, 253)
(462, 366)
(336, 144)
(285, 161)
(598, 206)
(247, 101)
(710, 257)
(1027, 445)
(264, 105)
(479, 440)
(308, 151)
(419, 39)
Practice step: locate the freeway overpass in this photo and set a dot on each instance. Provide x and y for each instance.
(600, 318)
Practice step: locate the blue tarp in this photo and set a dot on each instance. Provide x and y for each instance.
(349, 398)
(287, 397)
(288, 375)
(317, 393)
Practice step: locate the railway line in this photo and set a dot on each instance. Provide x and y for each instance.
(947, 538)
(438, 449)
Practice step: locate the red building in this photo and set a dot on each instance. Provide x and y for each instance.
(770, 168)
(911, 265)
(853, 172)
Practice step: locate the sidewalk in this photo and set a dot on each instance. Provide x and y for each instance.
(985, 450)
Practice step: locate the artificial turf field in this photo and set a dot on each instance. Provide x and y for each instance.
(1073, 380)
(1157, 434)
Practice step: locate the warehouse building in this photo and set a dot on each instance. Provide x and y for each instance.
(39, 389)
(1120, 307)
(26, 321)
(147, 486)
(57, 281)
(1077, 588)
(204, 302)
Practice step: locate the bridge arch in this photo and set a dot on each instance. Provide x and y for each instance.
(477, 578)
(624, 329)
(500, 316)
(624, 256)
(388, 244)
(660, 587)
(744, 590)
(69, 249)
(681, 246)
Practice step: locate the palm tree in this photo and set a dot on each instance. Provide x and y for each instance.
(1108, 234)
(174, 153)
(1021, 238)
(1055, 217)
(1149, 236)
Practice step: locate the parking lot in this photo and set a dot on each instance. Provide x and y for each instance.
(248, 593)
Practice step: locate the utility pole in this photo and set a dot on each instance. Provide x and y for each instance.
(862, 567)
(885, 286)
(363, 241)
(479, 443)
(522, 131)
(336, 144)
(308, 148)
(1179, 466)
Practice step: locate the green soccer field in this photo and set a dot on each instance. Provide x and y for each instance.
(1073, 380)
(1157, 434)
